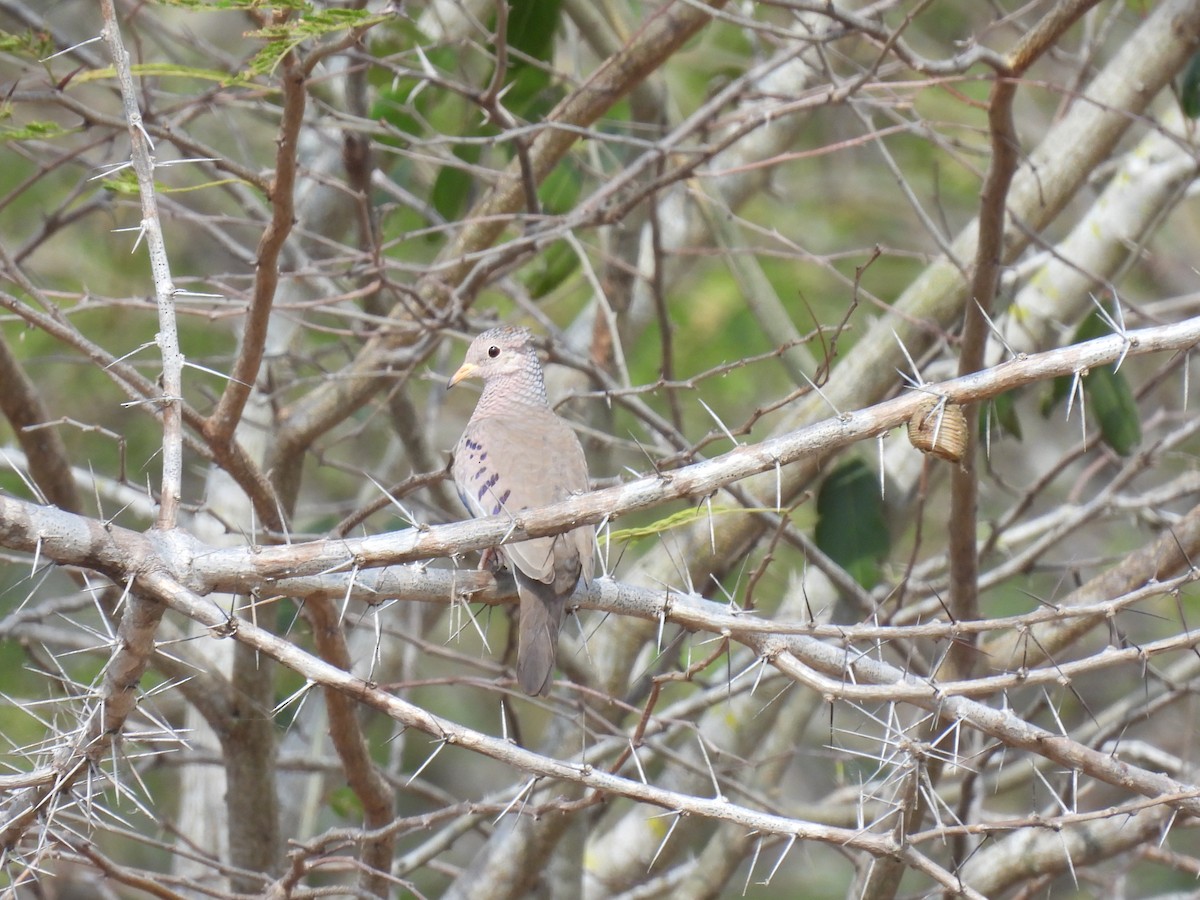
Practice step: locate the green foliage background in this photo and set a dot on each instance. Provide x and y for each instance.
(830, 237)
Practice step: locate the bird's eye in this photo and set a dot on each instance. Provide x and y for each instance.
(493, 352)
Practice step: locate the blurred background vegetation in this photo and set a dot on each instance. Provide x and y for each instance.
(756, 208)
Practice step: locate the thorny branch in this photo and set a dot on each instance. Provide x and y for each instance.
(735, 690)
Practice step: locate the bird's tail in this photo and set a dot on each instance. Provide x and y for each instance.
(537, 643)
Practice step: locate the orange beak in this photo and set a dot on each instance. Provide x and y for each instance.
(466, 370)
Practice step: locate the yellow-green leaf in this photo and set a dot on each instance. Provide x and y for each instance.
(679, 520)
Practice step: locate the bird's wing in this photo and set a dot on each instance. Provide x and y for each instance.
(506, 463)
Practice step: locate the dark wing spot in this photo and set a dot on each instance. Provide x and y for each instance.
(488, 485)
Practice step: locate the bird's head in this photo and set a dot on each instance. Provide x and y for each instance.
(507, 350)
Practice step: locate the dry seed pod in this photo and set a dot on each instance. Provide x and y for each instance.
(939, 428)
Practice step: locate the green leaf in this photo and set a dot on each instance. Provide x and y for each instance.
(452, 187)
(560, 190)
(122, 182)
(530, 36)
(527, 95)
(283, 38)
(451, 191)
(1089, 329)
(393, 106)
(1189, 90)
(32, 44)
(1059, 388)
(1109, 398)
(851, 529)
(345, 803)
(678, 520)
(266, 60)
(407, 102)
(552, 267)
(316, 23)
(531, 26)
(1002, 411)
(33, 131)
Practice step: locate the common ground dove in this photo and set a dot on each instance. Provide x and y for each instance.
(516, 453)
